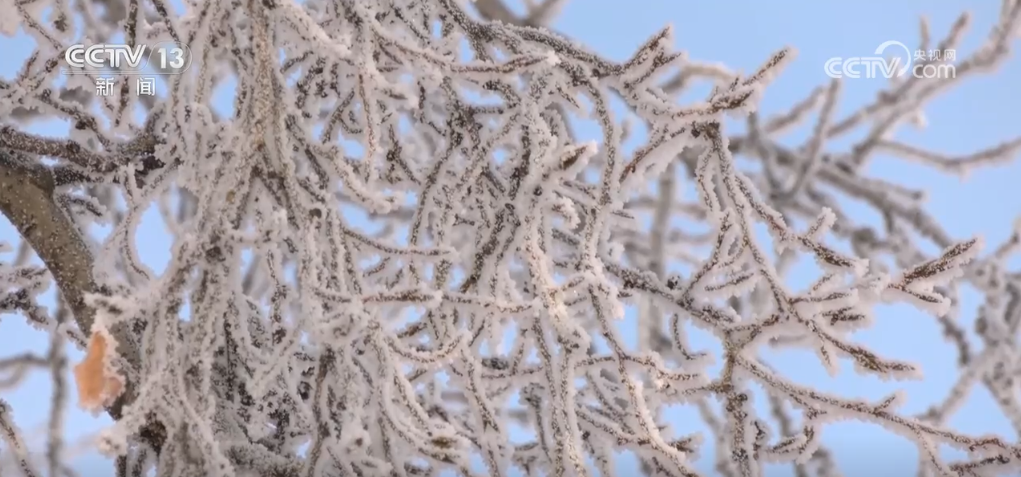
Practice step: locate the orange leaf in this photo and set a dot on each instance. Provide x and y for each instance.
(98, 382)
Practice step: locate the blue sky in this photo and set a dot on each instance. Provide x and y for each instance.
(741, 34)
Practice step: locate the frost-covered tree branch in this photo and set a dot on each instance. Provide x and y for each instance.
(483, 287)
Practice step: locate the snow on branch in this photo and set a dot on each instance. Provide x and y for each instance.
(393, 253)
